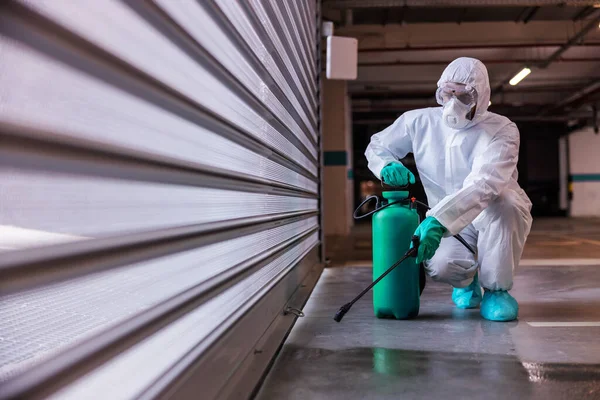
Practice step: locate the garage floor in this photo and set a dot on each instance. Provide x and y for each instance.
(551, 352)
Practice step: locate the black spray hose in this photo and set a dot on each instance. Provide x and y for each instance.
(377, 206)
(406, 201)
(412, 252)
(457, 236)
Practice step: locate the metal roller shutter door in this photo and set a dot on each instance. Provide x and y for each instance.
(159, 193)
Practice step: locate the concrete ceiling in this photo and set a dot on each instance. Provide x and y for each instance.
(403, 50)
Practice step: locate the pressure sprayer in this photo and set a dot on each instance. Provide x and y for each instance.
(394, 221)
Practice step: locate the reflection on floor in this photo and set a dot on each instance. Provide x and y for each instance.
(551, 352)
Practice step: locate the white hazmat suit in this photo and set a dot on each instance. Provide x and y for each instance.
(470, 178)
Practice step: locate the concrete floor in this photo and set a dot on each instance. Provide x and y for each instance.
(551, 352)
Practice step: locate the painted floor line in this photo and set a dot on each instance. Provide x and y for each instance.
(556, 262)
(526, 262)
(359, 263)
(574, 237)
(564, 324)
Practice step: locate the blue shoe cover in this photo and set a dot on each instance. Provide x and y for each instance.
(468, 297)
(499, 306)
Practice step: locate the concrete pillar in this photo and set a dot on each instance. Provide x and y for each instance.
(584, 147)
(338, 183)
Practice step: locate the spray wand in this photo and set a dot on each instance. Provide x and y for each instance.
(412, 252)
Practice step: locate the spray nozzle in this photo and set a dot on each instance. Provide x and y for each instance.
(341, 312)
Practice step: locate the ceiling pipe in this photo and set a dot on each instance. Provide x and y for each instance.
(453, 3)
(593, 24)
(471, 47)
(582, 93)
(531, 14)
(554, 56)
(523, 118)
(583, 13)
(516, 90)
(595, 118)
(462, 15)
(385, 106)
(560, 118)
(380, 103)
(521, 14)
(578, 95)
(534, 118)
(592, 96)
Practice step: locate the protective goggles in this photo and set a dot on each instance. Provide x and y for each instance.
(465, 94)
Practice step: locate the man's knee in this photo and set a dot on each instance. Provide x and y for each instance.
(507, 210)
(456, 272)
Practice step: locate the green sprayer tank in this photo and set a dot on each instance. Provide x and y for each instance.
(397, 295)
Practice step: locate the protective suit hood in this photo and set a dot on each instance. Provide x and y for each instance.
(470, 71)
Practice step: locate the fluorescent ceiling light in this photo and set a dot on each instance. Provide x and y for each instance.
(520, 76)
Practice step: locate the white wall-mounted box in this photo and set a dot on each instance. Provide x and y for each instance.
(342, 58)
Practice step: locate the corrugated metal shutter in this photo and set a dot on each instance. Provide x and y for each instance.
(159, 193)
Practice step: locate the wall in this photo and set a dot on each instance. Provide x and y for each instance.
(337, 146)
(584, 162)
(539, 167)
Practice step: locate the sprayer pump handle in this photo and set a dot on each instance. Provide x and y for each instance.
(387, 186)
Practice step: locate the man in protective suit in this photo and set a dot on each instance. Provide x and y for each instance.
(467, 160)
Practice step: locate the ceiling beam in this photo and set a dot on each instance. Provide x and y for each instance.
(348, 17)
(388, 121)
(453, 3)
(434, 36)
(561, 81)
(391, 95)
(494, 61)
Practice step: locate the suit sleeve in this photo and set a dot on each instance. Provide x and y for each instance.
(389, 145)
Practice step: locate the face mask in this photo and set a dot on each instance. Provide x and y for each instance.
(456, 114)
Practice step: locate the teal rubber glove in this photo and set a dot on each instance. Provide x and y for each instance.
(430, 233)
(396, 174)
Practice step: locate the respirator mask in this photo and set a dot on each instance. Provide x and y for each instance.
(459, 103)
